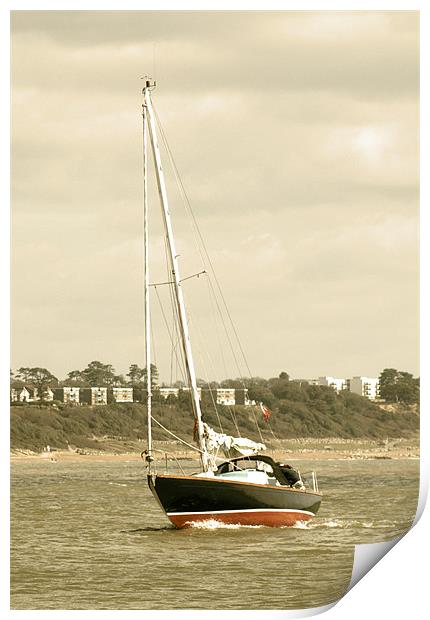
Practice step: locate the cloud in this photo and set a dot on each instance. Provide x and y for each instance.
(296, 137)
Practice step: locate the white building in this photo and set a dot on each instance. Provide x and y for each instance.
(93, 396)
(309, 381)
(333, 382)
(365, 386)
(225, 396)
(122, 394)
(23, 395)
(67, 395)
(29, 395)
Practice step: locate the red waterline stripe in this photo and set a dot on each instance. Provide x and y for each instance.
(260, 516)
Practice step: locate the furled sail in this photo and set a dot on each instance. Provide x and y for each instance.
(231, 446)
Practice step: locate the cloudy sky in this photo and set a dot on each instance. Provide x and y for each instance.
(296, 136)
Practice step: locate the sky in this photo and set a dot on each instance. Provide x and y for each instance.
(297, 139)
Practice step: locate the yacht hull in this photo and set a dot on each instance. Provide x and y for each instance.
(187, 500)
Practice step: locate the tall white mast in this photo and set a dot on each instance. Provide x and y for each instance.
(146, 289)
(183, 322)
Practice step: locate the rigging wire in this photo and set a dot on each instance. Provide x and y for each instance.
(176, 437)
(178, 358)
(199, 235)
(214, 457)
(199, 339)
(197, 229)
(206, 254)
(175, 313)
(214, 318)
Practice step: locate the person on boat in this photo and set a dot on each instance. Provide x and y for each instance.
(291, 475)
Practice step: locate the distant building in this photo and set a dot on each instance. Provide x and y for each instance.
(122, 394)
(165, 392)
(68, 395)
(225, 396)
(309, 381)
(365, 386)
(29, 395)
(93, 396)
(337, 384)
(23, 395)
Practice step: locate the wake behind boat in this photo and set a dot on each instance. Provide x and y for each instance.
(248, 488)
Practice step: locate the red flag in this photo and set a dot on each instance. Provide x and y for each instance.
(265, 411)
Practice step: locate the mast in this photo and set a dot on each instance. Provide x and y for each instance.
(179, 297)
(146, 290)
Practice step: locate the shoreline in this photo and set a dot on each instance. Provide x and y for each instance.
(289, 450)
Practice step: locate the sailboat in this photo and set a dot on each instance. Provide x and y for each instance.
(248, 487)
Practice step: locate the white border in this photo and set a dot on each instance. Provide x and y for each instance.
(396, 587)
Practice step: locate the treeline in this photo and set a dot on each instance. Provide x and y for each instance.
(396, 386)
(96, 374)
(297, 410)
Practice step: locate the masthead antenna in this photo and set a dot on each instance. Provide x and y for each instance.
(150, 84)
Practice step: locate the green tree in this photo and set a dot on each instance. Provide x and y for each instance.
(41, 379)
(263, 395)
(135, 375)
(154, 376)
(284, 388)
(77, 378)
(399, 386)
(387, 384)
(118, 380)
(23, 374)
(184, 400)
(408, 388)
(232, 384)
(98, 374)
(171, 400)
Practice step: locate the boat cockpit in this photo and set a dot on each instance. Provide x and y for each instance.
(259, 469)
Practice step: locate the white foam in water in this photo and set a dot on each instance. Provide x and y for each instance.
(310, 525)
(342, 524)
(301, 525)
(333, 523)
(213, 524)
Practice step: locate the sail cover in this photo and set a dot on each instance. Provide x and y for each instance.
(231, 446)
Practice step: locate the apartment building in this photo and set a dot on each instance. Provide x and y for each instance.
(365, 386)
(337, 384)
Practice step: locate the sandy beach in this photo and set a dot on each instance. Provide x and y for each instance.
(286, 450)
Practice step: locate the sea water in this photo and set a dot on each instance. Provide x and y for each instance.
(89, 535)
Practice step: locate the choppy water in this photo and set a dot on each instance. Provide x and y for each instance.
(91, 536)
